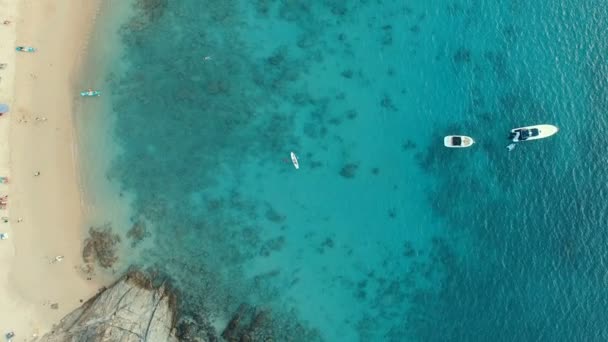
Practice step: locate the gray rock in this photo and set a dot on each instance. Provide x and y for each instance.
(131, 310)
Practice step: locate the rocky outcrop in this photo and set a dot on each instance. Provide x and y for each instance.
(100, 247)
(131, 310)
(248, 324)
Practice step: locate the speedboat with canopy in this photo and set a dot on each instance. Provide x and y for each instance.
(458, 141)
(532, 132)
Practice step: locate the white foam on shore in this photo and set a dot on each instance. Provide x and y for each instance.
(103, 200)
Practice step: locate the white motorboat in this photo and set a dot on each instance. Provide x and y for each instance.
(458, 141)
(532, 132)
(294, 161)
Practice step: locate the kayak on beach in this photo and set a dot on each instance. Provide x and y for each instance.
(25, 49)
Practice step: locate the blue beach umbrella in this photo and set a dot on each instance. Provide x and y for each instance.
(3, 108)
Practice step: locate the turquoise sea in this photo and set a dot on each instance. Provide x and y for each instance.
(382, 234)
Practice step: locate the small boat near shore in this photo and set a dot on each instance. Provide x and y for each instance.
(90, 93)
(294, 161)
(532, 132)
(458, 141)
(25, 49)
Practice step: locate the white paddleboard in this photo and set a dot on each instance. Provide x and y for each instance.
(294, 160)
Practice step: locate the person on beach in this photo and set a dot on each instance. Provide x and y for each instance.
(58, 258)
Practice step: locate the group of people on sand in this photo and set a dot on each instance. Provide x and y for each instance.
(3, 201)
(4, 179)
(3, 110)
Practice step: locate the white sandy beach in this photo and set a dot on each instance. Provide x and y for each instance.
(41, 85)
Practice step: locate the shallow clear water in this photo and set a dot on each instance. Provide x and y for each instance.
(382, 234)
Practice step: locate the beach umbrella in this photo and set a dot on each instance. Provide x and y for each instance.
(3, 108)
